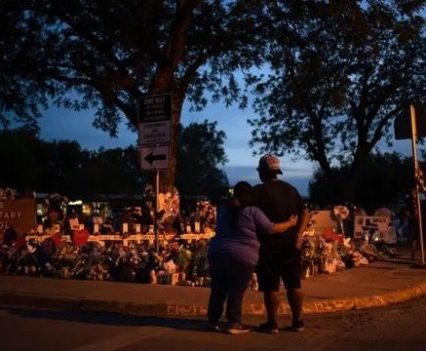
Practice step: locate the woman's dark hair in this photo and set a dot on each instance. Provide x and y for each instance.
(244, 192)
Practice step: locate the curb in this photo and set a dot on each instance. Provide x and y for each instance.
(75, 304)
(365, 302)
(313, 307)
(193, 310)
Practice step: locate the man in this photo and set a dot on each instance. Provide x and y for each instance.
(279, 255)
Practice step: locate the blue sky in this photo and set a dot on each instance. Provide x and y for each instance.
(62, 124)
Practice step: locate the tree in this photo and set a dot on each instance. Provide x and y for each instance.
(21, 157)
(63, 167)
(340, 73)
(112, 171)
(60, 165)
(25, 54)
(112, 55)
(31, 164)
(199, 155)
(387, 179)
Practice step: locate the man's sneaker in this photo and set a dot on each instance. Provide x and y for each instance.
(214, 327)
(235, 329)
(296, 326)
(268, 328)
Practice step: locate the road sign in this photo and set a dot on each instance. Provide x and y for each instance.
(155, 157)
(153, 133)
(155, 114)
(155, 107)
(402, 123)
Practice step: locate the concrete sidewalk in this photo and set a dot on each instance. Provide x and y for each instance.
(374, 285)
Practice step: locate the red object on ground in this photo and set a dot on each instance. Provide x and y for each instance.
(80, 237)
(56, 238)
(21, 243)
(329, 235)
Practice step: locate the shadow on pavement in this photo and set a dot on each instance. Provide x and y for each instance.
(103, 318)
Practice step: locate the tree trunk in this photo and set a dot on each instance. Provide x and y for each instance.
(164, 81)
(168, 176)
(358, 166)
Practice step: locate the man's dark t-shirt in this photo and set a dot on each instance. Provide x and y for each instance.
(279, 200)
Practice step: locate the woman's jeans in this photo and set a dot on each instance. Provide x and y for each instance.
(230, 279)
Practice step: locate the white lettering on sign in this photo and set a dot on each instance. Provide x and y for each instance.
(10, 215)
(7, 194)
(155, 108)
(371, 226)
(154, 133)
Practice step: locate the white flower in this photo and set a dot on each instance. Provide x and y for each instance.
(341, 212)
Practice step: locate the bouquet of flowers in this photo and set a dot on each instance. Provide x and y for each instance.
(8, 259)
(310, 256)
(341, 213)
(28, 262)
(169, 207)
(65, 258)
(207, 214)
(330, 261)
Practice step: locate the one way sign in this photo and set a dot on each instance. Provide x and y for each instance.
(155, 157)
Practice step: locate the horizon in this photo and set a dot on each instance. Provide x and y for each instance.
(63, 124)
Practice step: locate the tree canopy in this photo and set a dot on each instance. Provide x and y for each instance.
(340, 73)
(64, 167)
(110, 54)
(200, 155)
(31, 164)
(387, 179)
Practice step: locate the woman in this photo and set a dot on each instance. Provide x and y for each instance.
(234, 253)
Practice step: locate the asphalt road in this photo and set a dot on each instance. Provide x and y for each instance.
(397, 327)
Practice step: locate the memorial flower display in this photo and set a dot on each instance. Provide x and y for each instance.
(180, 256)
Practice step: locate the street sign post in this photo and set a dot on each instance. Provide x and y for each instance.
(416, 165)
(403, 122)
(155, 136)
(155, 119)
(413, 128)
(155, 107)
(154, 133)
(154, 157)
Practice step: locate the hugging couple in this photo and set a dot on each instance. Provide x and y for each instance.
(258, 230)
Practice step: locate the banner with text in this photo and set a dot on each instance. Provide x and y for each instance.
(20, 213)
(374, 227)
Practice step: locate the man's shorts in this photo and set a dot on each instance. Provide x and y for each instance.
(274, 266)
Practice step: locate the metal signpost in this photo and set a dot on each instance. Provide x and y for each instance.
(412, 127)
(155, 135)
(416, 172)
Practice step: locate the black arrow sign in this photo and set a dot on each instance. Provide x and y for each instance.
(152, 158)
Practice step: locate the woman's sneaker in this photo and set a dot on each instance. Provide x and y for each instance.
(235, 329)
(269, 328)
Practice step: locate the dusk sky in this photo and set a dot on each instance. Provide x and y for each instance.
(62, 124)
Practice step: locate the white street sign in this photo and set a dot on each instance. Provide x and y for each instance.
(153, 133)
(155, 157)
